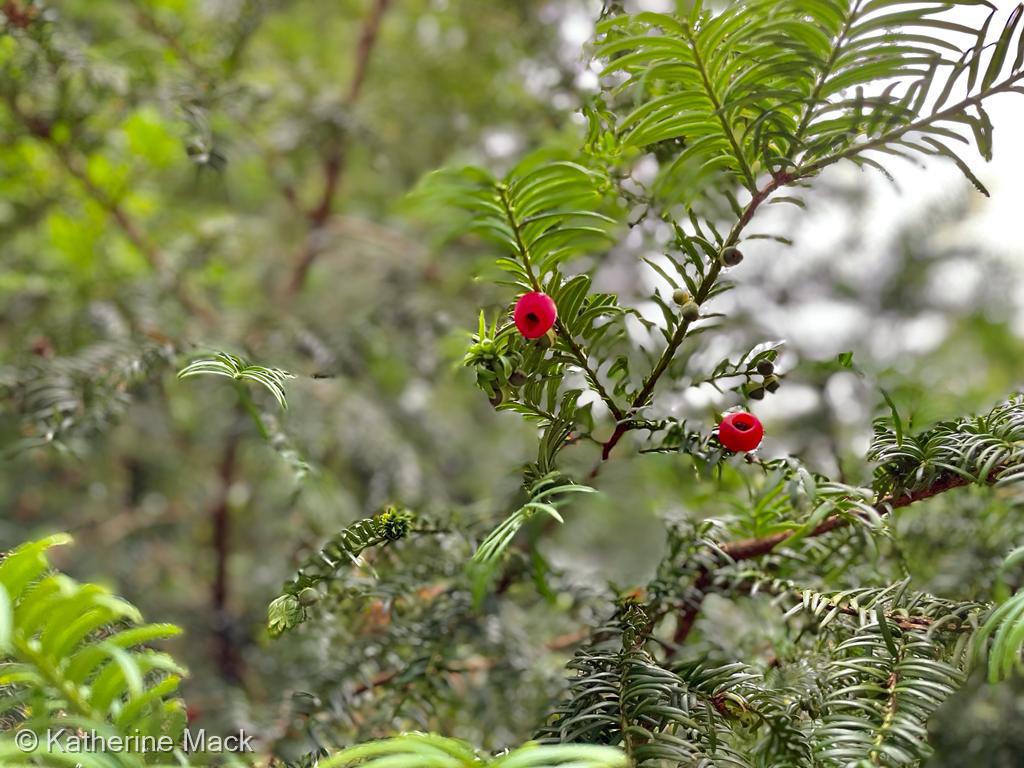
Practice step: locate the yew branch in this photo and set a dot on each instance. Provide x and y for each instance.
(749, 549)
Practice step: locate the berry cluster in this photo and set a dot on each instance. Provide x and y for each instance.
(769, 381)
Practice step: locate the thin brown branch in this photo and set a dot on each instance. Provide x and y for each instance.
(133, 233)
(127, 225)
(41, 129)
(759, 197)
(228, 657)
(337, 153)
(643, 397)
(577, 351)
(150, 24)
(749, 549)
(906, 623)
(19, 15)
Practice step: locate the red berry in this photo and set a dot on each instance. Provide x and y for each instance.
(740, 431)
(535, 314)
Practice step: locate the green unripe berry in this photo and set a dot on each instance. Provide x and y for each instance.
(681, 296)
(766, 367)
(496, 399)
(690, 311)
(547, 341)
(309, 596)
(754, 391)
(518, 378)
(771, 383)
(731, 257)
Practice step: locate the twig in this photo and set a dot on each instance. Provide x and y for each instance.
(134, 234)
(779, 180)
(150, 24)
(42, 130)
(228, 657)
(749, 549)
(336, 155)
(643, 397)
(581, 357)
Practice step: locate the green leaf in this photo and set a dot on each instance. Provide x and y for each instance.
(6, 621)
(234, 367)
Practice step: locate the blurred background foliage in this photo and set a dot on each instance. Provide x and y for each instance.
(184, 176)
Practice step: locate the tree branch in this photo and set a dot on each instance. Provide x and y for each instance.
(707, 284)
(749, 549)
(1007, 86)
(779, 180)
(149, 23)
(41, 129)
(336, 155)
(581, 357)
(135, 236)
(719, 110)
(228, 657)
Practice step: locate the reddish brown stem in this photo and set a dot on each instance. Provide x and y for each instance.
(337, 153)
(749, 549)
(228, 657)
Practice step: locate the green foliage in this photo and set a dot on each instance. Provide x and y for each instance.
(981, 449)
(757, 89)
(758, 97)
(787, 87)
(65, 397)
(1004, 627)
(542, 213)
(416, 750)
(343, 552)
(77, 657)
(781, 623)
(625, 697)
(891, 656)
(883, 691)
(237, 369)
(546, 495)
(539, 216)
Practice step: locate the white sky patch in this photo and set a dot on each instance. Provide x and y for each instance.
(588, 81)
(790, 402)
(990, 225)
(657, 6)
(576, 28)
(501, 144)
(954, 283)
(924, 333)
(819, 328)
(842, 392)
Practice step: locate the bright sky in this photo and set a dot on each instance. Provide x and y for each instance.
(993, 223)
(821, 327)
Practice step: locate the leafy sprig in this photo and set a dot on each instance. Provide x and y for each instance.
(238, 369)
